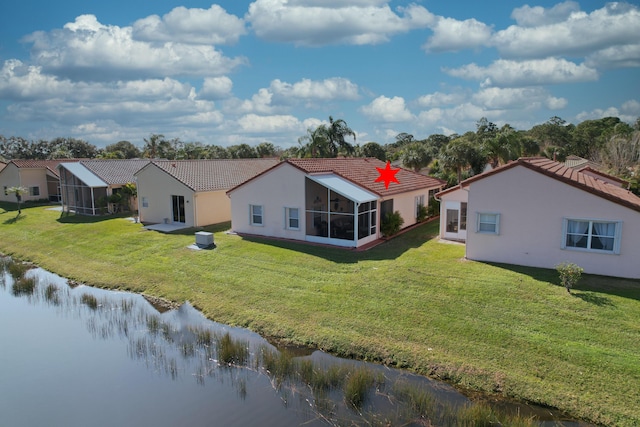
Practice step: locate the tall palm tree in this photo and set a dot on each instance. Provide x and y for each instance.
(336, 133)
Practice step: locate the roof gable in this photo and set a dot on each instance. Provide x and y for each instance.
(564, 174)
(214, 175)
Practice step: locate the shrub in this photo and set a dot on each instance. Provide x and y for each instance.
(422, 213)
(391, 223)
(569, 274)
(434, 207)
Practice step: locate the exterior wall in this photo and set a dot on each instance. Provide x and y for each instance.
(532, 207)
(157, 187)
(278, 188)
(405, 203)
(212, 207)
(9, 177)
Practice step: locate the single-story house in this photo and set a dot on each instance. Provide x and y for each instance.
(87, 185)
(331, 201)
(192, 192)
(537, 212)
(39, 177)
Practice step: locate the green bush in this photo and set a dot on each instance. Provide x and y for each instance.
(391, 223)
(422, 213)
(434, 207)
(569, 274)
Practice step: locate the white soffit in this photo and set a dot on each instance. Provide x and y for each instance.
(84, 175)
(344, 188)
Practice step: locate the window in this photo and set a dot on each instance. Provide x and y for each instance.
(6, 191)
(292, 218)
(34, 191)
(419, 202)
(592, 235)
(255, 214)
(488, 223)
(367, 219)
(463, 216)
(145, 202)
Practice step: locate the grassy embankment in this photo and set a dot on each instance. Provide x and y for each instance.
(411, 302)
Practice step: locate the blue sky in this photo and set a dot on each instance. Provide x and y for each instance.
(238, 71)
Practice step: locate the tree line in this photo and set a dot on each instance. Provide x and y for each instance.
(610, 142)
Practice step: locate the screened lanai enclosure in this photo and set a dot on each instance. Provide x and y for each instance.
(338, 211)
(82, 192)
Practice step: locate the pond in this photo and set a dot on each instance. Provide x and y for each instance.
(79, 356)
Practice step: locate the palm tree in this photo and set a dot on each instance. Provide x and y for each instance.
(336, 133)
(152, 144)
(415, 156)
(18, 191)
(460, 154)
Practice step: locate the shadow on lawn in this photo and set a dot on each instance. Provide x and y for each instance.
(13, 220)
(590, 287)
(389, 249)
(71, 218)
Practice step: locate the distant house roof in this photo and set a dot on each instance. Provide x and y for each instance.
(115, 172)
(213, 175)
(50, 165)
(565, 174)
(363, 172)
(577, 162)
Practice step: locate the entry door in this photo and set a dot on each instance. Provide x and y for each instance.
(178, 209)
(455, 221)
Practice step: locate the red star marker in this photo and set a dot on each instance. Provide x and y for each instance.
(387, 175)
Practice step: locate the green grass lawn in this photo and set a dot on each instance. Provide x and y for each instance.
(412, 302)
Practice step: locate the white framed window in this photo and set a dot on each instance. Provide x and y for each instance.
(419, 202)
(145, 202)
(292, 218)
(34, 191)
(488, 223)
(256, 213)
(592, 235)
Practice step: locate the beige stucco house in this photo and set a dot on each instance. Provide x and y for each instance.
(538, 212)
(192, 193)
(330, 201)
(40, 178)
(86, 185)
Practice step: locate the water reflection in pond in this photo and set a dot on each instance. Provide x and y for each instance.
(84, 356)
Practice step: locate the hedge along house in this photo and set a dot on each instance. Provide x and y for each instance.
(537, 212)
(40, 178)
(192, 193)
(87, 185)
(330, 201)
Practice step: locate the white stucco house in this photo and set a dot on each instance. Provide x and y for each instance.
(330, 201)
(538, 212)
(192, 193)
(39, 177)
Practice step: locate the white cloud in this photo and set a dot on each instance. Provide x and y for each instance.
(615, 57)
(628, 112)
(531, 98)
(452, 35)
(387, 110)
(527, 16)
(577, 34)
(317, 23)
(508, 73)
(328, 89)
(438, 99)
(216, 88)
(254, 123)
(191, 26)
(88, 50)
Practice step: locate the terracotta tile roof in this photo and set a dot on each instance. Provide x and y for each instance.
(564, 174)
(115, 172)
(50, 165)
(363, 172)
(217, 174)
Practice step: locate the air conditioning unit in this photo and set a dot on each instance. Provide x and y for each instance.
(204, 240)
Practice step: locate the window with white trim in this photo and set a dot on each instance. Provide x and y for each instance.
(488, 223)
(256, 215)
(419, 203)
(292, 218)
(34, 191)
(591, 235)
(145, 202)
